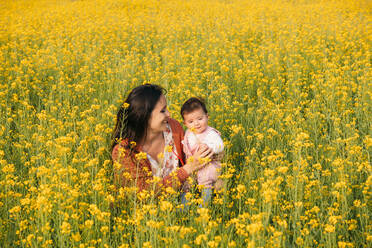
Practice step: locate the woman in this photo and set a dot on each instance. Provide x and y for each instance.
(147, 140)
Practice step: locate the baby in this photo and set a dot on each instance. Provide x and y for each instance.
(195, 116)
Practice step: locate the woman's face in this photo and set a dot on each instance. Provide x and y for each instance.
(159, 116)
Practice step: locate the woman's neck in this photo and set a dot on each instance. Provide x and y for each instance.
(151, 137)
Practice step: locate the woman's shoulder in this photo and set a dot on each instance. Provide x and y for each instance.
(120, 148)
(175, 125)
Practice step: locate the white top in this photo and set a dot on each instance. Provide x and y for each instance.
(169, 162)
(210, 137)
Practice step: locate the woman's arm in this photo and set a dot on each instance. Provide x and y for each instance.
(177, 179)
(194, 164)
(128, 172)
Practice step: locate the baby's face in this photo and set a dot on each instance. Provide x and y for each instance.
(196, 120)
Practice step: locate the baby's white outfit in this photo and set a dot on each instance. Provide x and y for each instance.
(208, 175)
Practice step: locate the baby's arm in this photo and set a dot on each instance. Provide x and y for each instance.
(186, 143)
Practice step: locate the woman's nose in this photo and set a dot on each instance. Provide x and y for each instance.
(167, 113)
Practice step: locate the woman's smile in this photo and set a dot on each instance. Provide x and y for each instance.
(159, 116)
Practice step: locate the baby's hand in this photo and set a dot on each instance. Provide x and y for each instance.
(203, 146)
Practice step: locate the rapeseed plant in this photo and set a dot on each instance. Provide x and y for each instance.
(287, 84)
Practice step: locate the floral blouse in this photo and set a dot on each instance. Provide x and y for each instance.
(168, 161)
(131, 171)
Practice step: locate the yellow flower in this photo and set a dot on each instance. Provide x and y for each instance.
(30, 237)
(342, 244)
(125, 105)
(237, 129)
(166, 206)
(104, 229)
(15, 210)
(161, 156)
(357, 203)
(191, 159)
(298, 204)
(204, 160)
(168, 148)
(203, 215)
(254, 227)
(212, 244)
(329, 228)
(199, 239)
(299, 241)
(232, 244)
(147, 245)
(76, 237)
(65, 228)
(283, 169)
(240, 188)
(141, 156)
(123, 246)
(88, 223)
(367, 141)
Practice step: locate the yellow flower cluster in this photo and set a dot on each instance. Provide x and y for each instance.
(287, 83)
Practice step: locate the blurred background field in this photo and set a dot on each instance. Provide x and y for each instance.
(288, 84)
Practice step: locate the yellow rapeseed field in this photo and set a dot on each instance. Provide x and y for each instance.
(287, 82)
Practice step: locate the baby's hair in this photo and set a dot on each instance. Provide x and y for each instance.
(192, 104)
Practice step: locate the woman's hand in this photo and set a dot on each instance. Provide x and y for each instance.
(193, 163)
(203, 151)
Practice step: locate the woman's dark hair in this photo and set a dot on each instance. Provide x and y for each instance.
(192, 104)
(134, 114)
